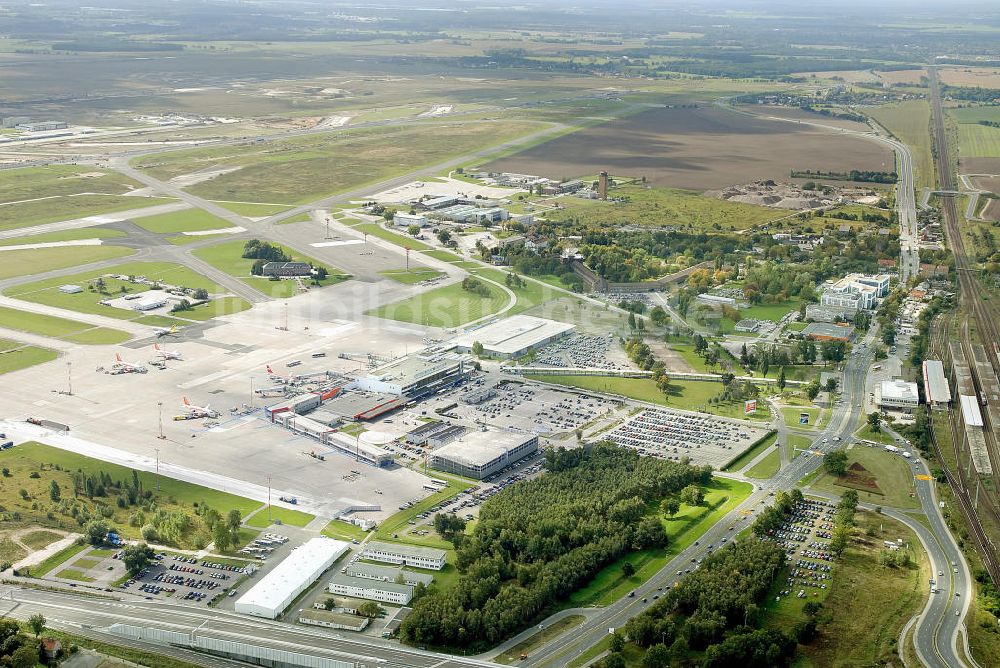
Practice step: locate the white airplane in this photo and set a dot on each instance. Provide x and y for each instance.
(167, 354)
(195, 412)
(121, 366)
(164, 331)
(279, 378)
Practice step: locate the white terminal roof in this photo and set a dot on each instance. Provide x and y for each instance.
(478, 448)
(899, 390)
(936, 386)
(971, 415)
(514, 334)
(298, 570)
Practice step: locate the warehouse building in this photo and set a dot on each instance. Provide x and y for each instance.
(416, 375)
(287, 269)
(897, 395)
(822, 331)
(373, 590)
(480, 454)
(401, 219)
(405, 555)
(514, 337)
(937, 390)
(276, 590)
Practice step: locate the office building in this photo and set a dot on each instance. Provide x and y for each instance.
(372, 590)
(897, 395)
(480, 454)
(405, 555)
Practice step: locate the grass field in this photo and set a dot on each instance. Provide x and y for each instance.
(751, 454)
(15, 355)
(447, 306)
(304, 169)
(513, 655)
(36, 540)
(74, 234)
(978, 141)
(10, 552)
(398, 522)
(59, 328)
(57, 559)
(796, 443)
(412, 276)
(792, 415)
(55, 464)
(73, 574)
(30, 261)
(190, 220)
(343, 531)
(253, 209)
(400, 240)
(892, 477)
(687, 526)
(295, 518)
(767, 467)
(29, 214)
(226, 256)
(47, 291)
(879, 436)
(866, 604)
(444, 255)
(910, 122)
(658, 207)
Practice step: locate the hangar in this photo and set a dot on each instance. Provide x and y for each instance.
(514, 337)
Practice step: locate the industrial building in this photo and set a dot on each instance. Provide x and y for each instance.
(480, 454)
(286, 269)
(70, 289)
(897, 395)
(149, 302)
(405, 555)
(416, 375)
(937, 391)
(822, 331)
(514, 337)
(333, 620)
(468, 213)
(373, 590)
(826, 313)
(276, 590)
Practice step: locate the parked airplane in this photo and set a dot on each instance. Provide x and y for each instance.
(121, 366)
(195, 412)
(167, 354)
(163, 331)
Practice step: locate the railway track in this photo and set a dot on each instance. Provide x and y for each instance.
(985, 316)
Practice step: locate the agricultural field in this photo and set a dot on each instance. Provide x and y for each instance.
(880, 478)
(447, 306)
(305, 169)
(970, 77)
(28, 261)
(47, 291)
(59, 328)
(976, 140)
(662, 207)
(910, 122)
(699, 149)
(34, 467)
(15, 355)
(191, 220)
(226, 256)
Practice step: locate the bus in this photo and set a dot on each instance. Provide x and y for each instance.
(439, 482)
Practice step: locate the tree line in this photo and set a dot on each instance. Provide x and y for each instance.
(538, 541)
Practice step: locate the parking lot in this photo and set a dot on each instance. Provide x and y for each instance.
(805, 536)
(582, 351)
(186, 579)
(672, 435)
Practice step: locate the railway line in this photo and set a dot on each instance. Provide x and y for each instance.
(985, 372)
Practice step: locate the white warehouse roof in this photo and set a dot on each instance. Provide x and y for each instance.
(515, 334)
(971, 415)
(276, 590)
(899, 390)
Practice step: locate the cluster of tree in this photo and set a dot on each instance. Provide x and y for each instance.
(976, 94)
(476, 287)
(512, 280)
(919, 342)
(640, 353)
(991, 124)
(225, 532)
(539, 540)
(733, 392)
(450, 527)
(843, 522)
(255, 249)
(826, 111)
(18, 650)
(715, 609)
(102, 484)
(772, 517)
(137, 557)
(530, 264)
(864, 216)
(859, 175)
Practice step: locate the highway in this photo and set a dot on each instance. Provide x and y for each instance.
(75, 611)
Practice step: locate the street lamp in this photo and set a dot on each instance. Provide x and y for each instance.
(157, 450)
(159, 406)
(69, 377)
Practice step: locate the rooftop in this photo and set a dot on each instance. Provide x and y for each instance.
(971, 415)
(514, 334)
(827, 330)
(478, 448)
(936, 386)
(272, 590)
(413, 368)
(390, 573)
(898, 389)
(406, 550)
(368, 583)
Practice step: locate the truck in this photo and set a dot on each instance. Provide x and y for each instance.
(907, 455)
(289, 499)
(891, 448)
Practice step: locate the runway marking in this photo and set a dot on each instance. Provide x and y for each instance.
(345, 242)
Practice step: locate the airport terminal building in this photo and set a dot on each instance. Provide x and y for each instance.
(514, 337)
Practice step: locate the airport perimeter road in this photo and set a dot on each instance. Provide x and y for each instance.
(936, 631)
(83, 612)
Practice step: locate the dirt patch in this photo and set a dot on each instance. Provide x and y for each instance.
(974, 77)
(979, 165)
(858, 477)
(992, 210)
(697, 149)
(848, 76)
(796, 114)
(991, 183)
